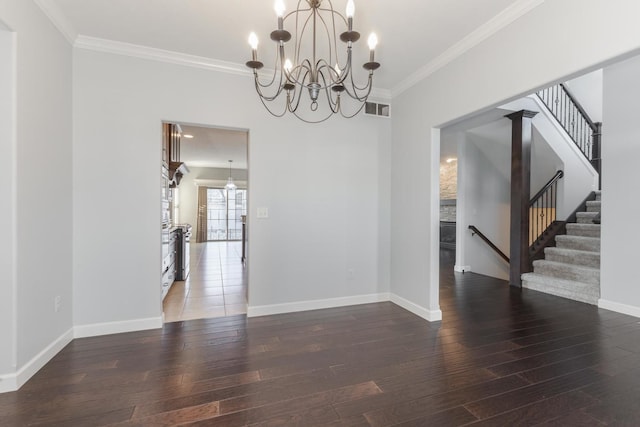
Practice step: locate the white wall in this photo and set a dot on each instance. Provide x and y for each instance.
(487, 204)
(620, 198)
(41, 161)
(588, 91)
(7, 208)
(188, 190)
(323, 222)
(522, 57)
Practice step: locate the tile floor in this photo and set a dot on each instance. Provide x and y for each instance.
(216, 286)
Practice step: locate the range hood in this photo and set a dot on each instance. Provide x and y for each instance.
(176, 171)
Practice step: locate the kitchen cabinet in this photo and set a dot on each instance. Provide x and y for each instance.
(169, 262)
(171, 140)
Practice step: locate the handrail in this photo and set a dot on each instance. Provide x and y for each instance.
(543, 208)
(475, 231)
(548, 185)
(573, 118)
(582, 111)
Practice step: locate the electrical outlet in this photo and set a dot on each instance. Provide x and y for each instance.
(57, 302)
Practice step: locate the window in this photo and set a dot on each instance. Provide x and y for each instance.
(224, 213)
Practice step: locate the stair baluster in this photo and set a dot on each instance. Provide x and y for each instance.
(573, 118)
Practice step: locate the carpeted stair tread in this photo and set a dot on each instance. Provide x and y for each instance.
(586, 217)
(572, 256)
(577, 291)
(585, 230)
(594, 206)
(561, 270)
(579, 243)
(571, 269)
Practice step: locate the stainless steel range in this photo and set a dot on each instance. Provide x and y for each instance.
(183, 233)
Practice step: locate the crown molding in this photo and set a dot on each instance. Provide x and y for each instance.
(59, 20)
(380, 94)
(160, 55)
(498, 22)
(171, 57)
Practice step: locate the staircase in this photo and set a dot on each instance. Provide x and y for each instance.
(571, 269)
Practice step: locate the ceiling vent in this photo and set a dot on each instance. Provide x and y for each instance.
(375, 109)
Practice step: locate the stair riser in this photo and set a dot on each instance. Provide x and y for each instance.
(592, 261)
(591, 246)
(568, 273)
(589, 298)
(585, 217)
(593, 208)
(583, 232)
(591, 291)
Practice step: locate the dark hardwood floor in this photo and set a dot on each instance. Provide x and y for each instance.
(500, 357)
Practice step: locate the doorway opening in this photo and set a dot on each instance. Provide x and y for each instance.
(211, 198)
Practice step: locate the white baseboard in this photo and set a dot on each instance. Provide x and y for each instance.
(462, 268)
(265, 310)
(8, 382)
(619, 308)
(430, 315)
(13, 382)
(97, 329)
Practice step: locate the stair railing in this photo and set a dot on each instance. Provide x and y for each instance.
(474, 231)
(584, 132)
(542, 216)
(543, 208)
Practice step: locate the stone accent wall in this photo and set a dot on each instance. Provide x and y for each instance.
(448, 190)
(448, 210)
(448, 180)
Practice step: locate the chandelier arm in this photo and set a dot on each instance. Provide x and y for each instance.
(294, 75)
(323, 68)
(355, 94)
(297, 96)
(366, 87)
(350, 116)
(275, 73)
(333, 106)
(295, 12)
(333, 47)
(299, 37)
(271, 112)
(267, 97)
(334, 12)
(311, 121)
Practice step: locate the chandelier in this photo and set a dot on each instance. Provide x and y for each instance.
(310, 66)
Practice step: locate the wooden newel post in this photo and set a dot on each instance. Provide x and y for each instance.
(521, 136)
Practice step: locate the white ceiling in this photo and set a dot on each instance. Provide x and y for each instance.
(414, 34)
(213, 147)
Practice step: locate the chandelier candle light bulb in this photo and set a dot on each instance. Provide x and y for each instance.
(317, 27)
(372, 42)
(280, 8)
(351, 9)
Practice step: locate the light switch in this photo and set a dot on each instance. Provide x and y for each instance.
(262, 213)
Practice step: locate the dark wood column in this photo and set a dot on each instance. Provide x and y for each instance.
(521, 135)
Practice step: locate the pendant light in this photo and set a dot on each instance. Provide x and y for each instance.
(230, 184)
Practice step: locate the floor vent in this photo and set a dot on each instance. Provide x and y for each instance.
(375, 109)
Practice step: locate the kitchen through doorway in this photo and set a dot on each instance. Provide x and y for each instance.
(211, 197)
